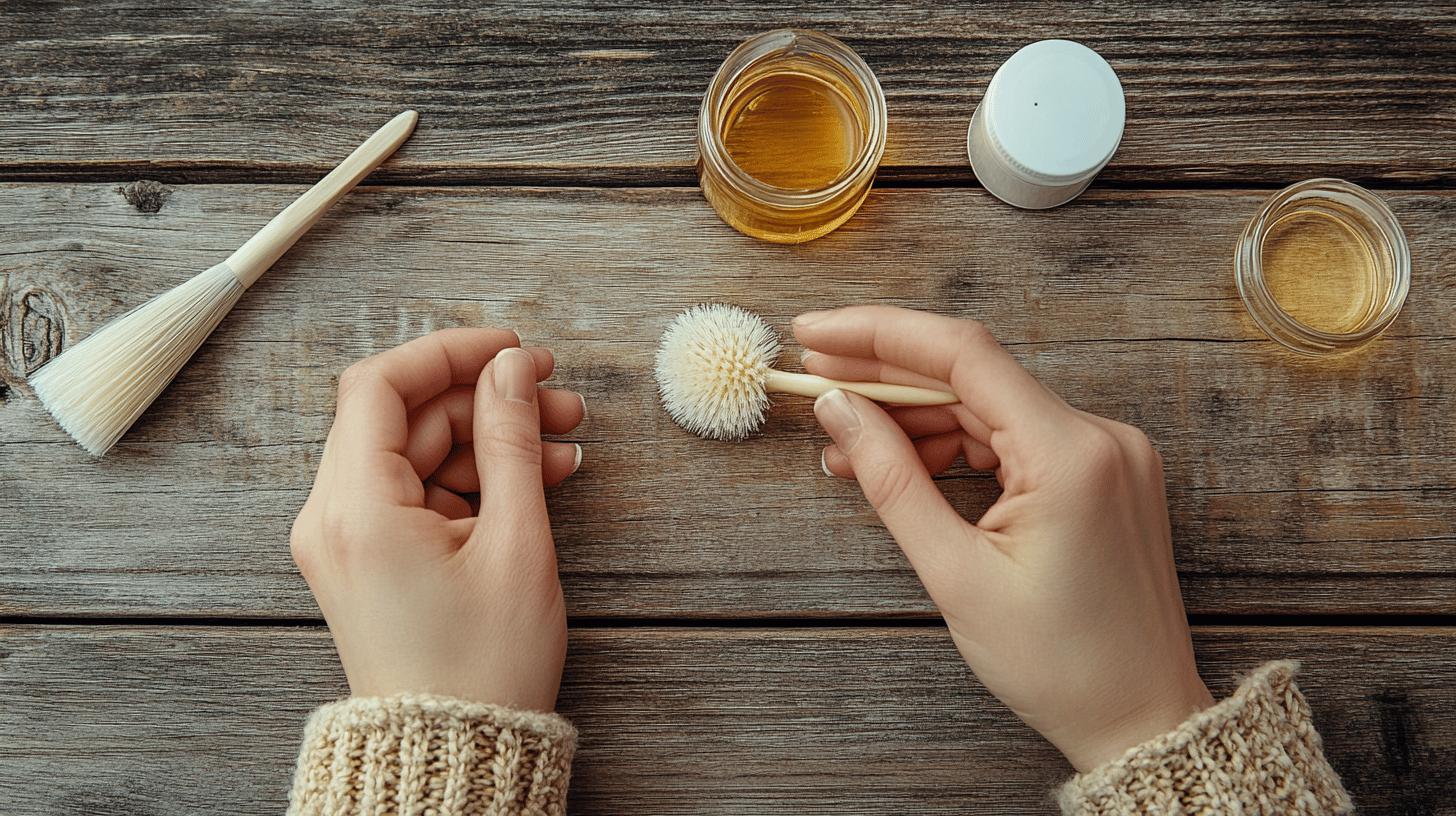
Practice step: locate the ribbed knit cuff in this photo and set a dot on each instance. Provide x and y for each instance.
(1255, 753)
(369, 756)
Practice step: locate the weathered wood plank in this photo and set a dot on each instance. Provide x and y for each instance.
(1294, 485)
(164, 721)
(527, 91)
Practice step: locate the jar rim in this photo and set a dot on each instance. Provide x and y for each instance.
(1273, 318)
(775, 44)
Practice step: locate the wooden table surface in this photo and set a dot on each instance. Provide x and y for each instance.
(746, 638)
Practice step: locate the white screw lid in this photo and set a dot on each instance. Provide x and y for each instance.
(1053, 113)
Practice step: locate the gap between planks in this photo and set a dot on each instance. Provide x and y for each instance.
(888, 178)
(1231, 620)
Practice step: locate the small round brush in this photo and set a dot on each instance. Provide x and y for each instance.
(715, 371)
(97, 388)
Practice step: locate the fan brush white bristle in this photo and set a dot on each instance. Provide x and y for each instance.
(715, 371)
(97, 388)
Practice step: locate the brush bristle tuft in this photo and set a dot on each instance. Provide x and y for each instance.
(711, 367)
(97, 388)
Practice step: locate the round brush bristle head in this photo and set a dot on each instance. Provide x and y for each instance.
(711, 367)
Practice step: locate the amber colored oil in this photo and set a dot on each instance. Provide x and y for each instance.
(790, 134)
(1321, 272)
(792, 130)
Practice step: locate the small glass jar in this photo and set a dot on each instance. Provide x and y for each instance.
(1324, 267)
(778, 209)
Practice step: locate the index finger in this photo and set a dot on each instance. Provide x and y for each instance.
(425, 366)
(371, 423)
(990, 382)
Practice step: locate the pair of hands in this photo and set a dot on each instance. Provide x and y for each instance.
(1062, 597)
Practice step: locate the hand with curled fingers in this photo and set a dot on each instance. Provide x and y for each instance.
(423, 591)
(1062, 597)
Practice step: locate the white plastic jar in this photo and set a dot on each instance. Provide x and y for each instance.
(1049, 122)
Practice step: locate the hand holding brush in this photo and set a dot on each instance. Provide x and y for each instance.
(715, 371)
(1062, 595)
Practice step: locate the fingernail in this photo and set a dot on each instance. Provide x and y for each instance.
(577, 466)
(583, 409)
(808, 319)
(515, 375)
(807, 356)
(824, 466)
(839, 417)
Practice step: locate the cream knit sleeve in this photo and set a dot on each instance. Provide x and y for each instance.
(424, 754)
(1256, 754)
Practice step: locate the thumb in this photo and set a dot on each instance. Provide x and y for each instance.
(894, 479)
(508, 444)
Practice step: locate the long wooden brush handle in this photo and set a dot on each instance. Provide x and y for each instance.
(254, 257)
(812, 385)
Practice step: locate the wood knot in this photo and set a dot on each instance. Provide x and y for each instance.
(146, 196)
(41, 329)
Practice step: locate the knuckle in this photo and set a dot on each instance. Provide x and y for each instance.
(333, 537)
(345, 533)
(301, 545)
(1133, 437)
(1146, 453)
(975, 333)
(353, 376)
(1141, 446)
(1155, 464)
(512, 440)
(1101, 450)
(1136, 445)
(891, 484)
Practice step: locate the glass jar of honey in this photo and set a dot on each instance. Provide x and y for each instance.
(1323, 267)
(790, 134)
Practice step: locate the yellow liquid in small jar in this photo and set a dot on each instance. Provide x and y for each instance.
(795, 141)
(1321, 272)
(793, 131)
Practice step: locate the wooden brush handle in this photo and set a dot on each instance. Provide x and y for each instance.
(254, 257)
(812, 385)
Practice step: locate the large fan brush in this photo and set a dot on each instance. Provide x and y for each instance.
(97, 388)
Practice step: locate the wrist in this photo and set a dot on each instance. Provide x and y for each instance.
(1146, 720)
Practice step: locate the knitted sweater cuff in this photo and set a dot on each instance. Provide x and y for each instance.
(1256, 752)
(426, 754)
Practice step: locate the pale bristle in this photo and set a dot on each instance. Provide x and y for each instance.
(97, 388)
(711, 368)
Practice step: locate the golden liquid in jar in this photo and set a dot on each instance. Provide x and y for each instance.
(1321, 272)
(792, 130)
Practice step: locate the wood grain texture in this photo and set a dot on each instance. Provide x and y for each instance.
(161, 721)
(528, 91)
(1294, 485)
